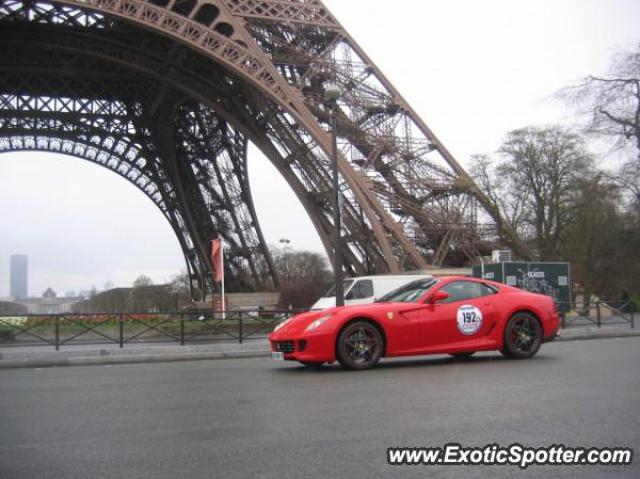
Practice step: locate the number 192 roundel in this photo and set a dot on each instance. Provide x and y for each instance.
(448, 315)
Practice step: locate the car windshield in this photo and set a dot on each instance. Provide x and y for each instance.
(409, 293)
(346, 284)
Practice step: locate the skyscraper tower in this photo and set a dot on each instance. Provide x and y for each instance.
(19, 276)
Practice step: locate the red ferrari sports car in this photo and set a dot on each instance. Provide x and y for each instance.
(447, 315)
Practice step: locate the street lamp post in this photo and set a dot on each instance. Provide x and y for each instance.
(286, 242)
(331, 94)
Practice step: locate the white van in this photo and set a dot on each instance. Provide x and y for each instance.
(366, 289)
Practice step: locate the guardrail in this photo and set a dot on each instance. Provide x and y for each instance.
(598, 313)
(182, 327)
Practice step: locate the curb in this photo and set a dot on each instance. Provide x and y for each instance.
(128, 359)
(588, 336)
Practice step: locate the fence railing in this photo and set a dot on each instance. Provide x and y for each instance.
(191, 327)
(184, 327)
(598, 313)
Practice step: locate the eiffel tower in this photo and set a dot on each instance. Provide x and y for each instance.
(169, 94)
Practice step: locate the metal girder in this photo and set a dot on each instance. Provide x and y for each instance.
(288, 49)
(234, 47)
(102, 117)
(234, 100)
(254, 71)
(411, 173)
(309, 12)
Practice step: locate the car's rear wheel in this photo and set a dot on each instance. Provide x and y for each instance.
(359, 345)
(522, 336)
(468, 354)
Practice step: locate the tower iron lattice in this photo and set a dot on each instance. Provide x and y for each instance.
(169, 94)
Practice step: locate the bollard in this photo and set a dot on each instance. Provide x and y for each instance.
(182, 332)
(121, 331)
(57, 333)
(599, 319)
(240, 329)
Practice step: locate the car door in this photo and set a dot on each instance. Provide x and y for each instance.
(464, 318)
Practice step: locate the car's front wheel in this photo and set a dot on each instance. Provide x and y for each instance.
(359, 346)
(522, 336)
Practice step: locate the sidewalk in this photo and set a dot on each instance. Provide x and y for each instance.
(109, 353)
(575, 333)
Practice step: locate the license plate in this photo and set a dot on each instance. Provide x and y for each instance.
(277, 356)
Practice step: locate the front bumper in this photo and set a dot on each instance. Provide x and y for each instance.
(318, 347)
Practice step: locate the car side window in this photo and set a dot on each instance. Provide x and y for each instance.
(361, 290)
(487, 290)
(461, 290)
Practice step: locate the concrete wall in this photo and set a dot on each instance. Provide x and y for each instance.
(244, 301)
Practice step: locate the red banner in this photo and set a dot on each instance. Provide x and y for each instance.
(216, 260)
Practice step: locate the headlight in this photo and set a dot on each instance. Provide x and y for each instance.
(280, 325)
(318, 322)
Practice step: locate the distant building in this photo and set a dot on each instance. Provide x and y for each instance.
(19, 277)
(50, 303)
(49, 294)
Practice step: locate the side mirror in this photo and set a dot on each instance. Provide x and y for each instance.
(439, 295)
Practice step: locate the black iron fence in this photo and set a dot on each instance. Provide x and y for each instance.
(188, 327)
(191, 327)
(598, 313)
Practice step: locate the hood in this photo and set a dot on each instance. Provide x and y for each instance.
(299, 322)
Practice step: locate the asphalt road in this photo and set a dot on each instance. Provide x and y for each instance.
(246, 418)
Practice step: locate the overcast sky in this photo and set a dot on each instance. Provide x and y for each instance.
(472, 69)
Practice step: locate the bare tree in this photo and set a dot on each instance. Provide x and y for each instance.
(304, 276)
(294, 265)
(591, 240)
(628, 178)
(180, 284)
(510, 203)
(532, 182)
(180, 290)
(545, 183)
(142, 281)
(612, 102)
(541, 165)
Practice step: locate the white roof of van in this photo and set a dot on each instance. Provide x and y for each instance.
(407, 276)
(421, 273)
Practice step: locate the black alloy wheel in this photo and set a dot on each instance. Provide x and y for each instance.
(359, 346)
(522, 336)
